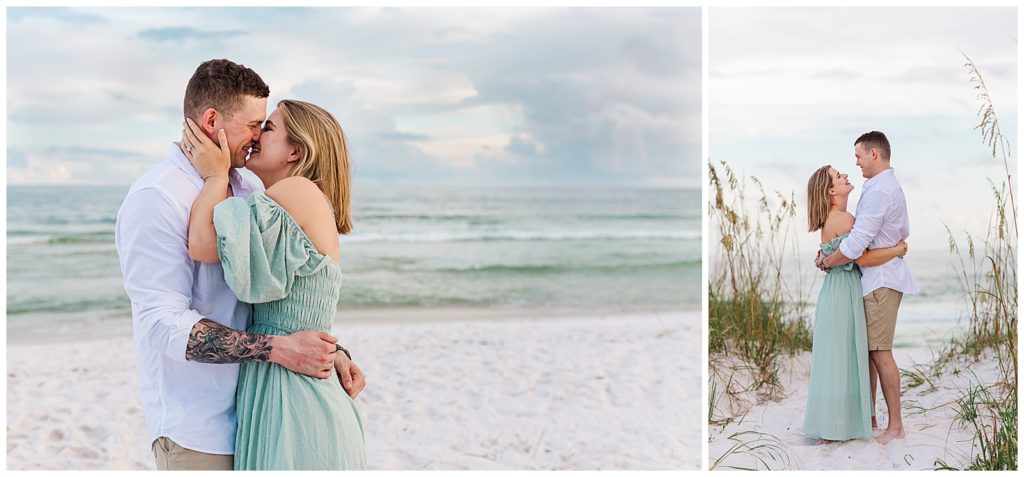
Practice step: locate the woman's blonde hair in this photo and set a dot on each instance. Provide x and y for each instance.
(324, 155)
(818, 202)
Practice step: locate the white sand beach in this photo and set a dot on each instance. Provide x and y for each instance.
(928, 416)
(615, 392)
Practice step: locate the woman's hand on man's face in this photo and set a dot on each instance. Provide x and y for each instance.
(209, 160)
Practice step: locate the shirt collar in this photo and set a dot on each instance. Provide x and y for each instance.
(868, 183)
(178, 159)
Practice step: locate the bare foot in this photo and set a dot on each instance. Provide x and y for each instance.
(823, 441)
(889, 435)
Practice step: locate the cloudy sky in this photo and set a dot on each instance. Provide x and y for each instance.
(791, 89)
(454, 96)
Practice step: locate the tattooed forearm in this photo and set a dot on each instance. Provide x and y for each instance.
(212, 342)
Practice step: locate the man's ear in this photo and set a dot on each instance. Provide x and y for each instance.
(208, 121)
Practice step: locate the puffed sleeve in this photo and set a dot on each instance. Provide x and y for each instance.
(831, 246)
(262, 249)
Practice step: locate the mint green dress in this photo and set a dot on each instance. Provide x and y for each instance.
(838, 400)
(285, 420)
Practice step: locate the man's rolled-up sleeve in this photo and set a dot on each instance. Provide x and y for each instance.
(152, 245)
(868, 223)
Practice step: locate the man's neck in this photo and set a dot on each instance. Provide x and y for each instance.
(880, 171)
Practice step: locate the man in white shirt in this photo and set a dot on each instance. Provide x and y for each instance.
(186, 321)
(881, 222)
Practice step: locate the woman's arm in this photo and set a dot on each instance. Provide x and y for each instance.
(213, 164)
(202, 237)
(878, 256)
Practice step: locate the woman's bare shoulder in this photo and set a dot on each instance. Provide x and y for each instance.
(299, 196)
(290, 186)
(306, 203)
(836, 223)
(841, 217)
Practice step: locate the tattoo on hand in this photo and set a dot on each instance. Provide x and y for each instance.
(212, 342)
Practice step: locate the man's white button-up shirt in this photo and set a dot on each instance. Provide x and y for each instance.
(881, 222)
(191, 403)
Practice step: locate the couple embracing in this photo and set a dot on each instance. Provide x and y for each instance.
(234, 284)
(855, 317)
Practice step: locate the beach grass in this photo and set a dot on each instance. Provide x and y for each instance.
(916, 377)
(756, 310)
(987, 271)
(753, 312)
(992, 415)
(766, 451)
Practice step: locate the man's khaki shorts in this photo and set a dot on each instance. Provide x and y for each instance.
(171, 456)
(880, 309)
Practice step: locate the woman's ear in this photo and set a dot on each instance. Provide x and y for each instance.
(832, 191)
(296, 154)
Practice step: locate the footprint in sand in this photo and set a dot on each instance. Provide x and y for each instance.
(93, 433)
(85, 453)
(56, 435)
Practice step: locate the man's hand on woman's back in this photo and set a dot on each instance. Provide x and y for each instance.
(306, 352)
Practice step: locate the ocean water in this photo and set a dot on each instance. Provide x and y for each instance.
(938, 312)
(929, 318)
(617, 250)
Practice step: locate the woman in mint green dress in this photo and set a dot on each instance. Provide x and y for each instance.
(279, 250)
(839, 406)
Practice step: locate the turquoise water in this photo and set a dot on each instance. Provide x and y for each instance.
(589, 249)
(928, 318)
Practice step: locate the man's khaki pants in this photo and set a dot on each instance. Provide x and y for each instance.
(171, 456)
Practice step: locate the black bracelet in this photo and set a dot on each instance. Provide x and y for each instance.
(343, 350)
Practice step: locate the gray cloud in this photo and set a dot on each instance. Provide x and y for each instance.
(15, 158)
(18, 156)
(64, 15)
(721, 73)
(522, 145)
(84, 153)
(931, 74)
(186, 34)
(657, 58)
(402, 136)
(841, 74)
(610, 96)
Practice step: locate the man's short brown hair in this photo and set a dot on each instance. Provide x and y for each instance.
(877, 140)
(221, 85)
